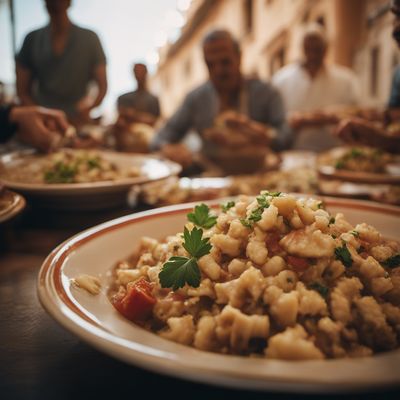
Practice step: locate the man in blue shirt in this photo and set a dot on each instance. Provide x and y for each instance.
(57, 63)
(226, 89)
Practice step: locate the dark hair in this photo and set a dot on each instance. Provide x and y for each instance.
(218, 34)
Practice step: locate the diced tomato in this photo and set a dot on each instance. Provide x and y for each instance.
(298, 264)
(272, 243)
(137, 304)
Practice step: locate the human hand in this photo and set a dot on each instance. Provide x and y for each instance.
(179, 153)
(236, 130)
(359, 131)
(39, 127)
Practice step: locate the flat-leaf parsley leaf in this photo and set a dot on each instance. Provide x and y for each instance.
(201, 216)
(178, 271)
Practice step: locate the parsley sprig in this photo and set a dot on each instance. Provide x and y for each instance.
(202, 217)
(343, 254)
(178, 271)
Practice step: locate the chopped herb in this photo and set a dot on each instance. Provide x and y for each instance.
(256, 213)
(321, 205)
(321, 289)
(339, 164)
(227, 206)
(201, 217)
(271, 194)
(178, 271)
(331, 221)
(60, 173)
(246, 223)
(355, 233)
(343, 254)
(392, 262)
(355, 153)
(93, 162)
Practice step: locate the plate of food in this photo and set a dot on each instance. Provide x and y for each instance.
(11, 204)
(360, 164)
(84, 179)
(275, 292)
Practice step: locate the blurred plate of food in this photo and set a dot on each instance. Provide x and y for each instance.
(360, 164)
(11, 204)
(176, 190)
(84, 179)
(321, 316)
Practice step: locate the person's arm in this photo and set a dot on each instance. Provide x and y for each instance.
(100, 77)
(24, 85)
(359, 131)
(176, 127)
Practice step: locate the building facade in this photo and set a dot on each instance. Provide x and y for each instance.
(270, 34)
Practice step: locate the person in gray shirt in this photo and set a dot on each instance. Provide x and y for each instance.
(226, 89)
(140, 101)
(57, 63)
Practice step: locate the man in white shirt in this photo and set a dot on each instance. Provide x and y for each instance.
(312, 85)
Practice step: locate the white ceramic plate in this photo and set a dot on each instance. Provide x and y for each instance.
(94, 320)
(11, 204)
(92, 195)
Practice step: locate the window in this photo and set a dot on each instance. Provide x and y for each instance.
(248, 15)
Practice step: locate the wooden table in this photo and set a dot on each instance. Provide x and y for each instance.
(41, 360)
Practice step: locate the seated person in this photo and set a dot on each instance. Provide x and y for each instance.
(311, 87)
(138, 111)
(257, 106)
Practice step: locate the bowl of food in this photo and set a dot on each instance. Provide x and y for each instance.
(273, 292)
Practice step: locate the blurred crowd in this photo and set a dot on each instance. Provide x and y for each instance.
(307, 105)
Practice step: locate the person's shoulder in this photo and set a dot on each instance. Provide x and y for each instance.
(85, 32)
(35, 33)
(341, 72)
(259, 88)
(200, 91)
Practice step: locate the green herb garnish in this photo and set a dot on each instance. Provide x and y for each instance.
(178, 271)
(93, 162)
(321, 289)
(60, 173)
(202, 217)
(392, 262)
(256, 213)
(343, 254)
(355, 233)
(227, 206)
(331, 221)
